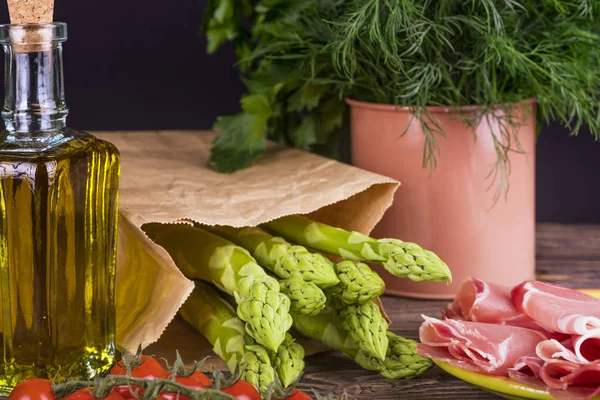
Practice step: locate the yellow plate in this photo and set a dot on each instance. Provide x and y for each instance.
(502, 386)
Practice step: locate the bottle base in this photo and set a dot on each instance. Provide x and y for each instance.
(85, 366)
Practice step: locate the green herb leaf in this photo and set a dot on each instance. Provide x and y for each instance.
(307, 98)
(222, 25)
(269, 75)
(224, 11)
(257, 105)
(331, 117)
(241, 143)
(305, 134)
(217, 35)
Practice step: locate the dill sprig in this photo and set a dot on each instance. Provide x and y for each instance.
(419, 53)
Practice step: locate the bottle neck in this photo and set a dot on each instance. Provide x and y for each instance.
(34, 102)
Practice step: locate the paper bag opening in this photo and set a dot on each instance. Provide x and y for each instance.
(165, 179)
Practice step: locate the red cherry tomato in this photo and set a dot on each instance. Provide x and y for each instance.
(242, 390)
(32, 389)
(86, 394)
(197, 381)
(194, 379)
(149, 368)
(298, 395)
(127, 392)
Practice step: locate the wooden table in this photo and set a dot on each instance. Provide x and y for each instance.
(566, 254)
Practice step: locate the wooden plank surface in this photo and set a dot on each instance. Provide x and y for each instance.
(566, 254)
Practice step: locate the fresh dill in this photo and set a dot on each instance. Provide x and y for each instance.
(303, 57)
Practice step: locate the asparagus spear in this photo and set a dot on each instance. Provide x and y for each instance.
(216, 320)
(402, 259)
(402, 360)
(202, 255)
(280, 256)
(358, 283)
(288, 361)
(366, 326)
(306, 297)
(257, 367)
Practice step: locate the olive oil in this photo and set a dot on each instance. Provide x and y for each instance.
(58, 225)
(57, 259)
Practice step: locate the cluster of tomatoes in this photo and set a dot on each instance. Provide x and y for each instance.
(149, 368)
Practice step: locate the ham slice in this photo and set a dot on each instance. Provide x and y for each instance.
(569, 380)
(481, 301)
(578, 350)
(543, 335)
(575, 393)
(571, 369)
(484, 347)
(529, 365)
(527, 371)
(551, 349)
(587, 347)
(559, 309)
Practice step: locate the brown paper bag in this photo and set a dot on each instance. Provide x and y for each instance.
(164, 178)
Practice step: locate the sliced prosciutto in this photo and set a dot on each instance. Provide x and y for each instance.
(570, 370)
(568, 380)
(529, 365)
(481, 301)
(527, 371)
(587, 347)
(578, 349)
(559, 309)
(483, 347)
(575, 393)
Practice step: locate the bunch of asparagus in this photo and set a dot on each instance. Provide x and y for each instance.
(275, 281)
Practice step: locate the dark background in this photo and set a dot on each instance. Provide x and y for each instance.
(141, 64)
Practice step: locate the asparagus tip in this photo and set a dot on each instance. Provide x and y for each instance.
(409, 260)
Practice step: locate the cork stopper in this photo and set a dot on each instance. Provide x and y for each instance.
(31, 12)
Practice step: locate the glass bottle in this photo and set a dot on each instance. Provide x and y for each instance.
(58, 221)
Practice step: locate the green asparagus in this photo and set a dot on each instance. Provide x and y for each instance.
(366, 326)
(261, 372)
(306, 297)
(280, 256)
(288, 361)
(402, 360)
(203, 255)
(401, 259)
(358, 283)
(216, 320)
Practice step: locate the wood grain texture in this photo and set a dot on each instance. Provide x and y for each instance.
(566, 254)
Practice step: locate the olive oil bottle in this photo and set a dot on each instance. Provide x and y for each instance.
(58, 222)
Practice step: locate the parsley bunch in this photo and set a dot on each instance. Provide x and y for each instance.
(281, 102)
(301, 58)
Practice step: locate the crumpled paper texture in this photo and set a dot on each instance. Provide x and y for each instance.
(165, 179)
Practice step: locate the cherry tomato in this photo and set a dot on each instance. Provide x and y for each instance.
(149, 368)
(86, 394)
(126, 392)
(193, 382)
(32, 389)
(242, 390)
(298, 395)
(194, 379)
